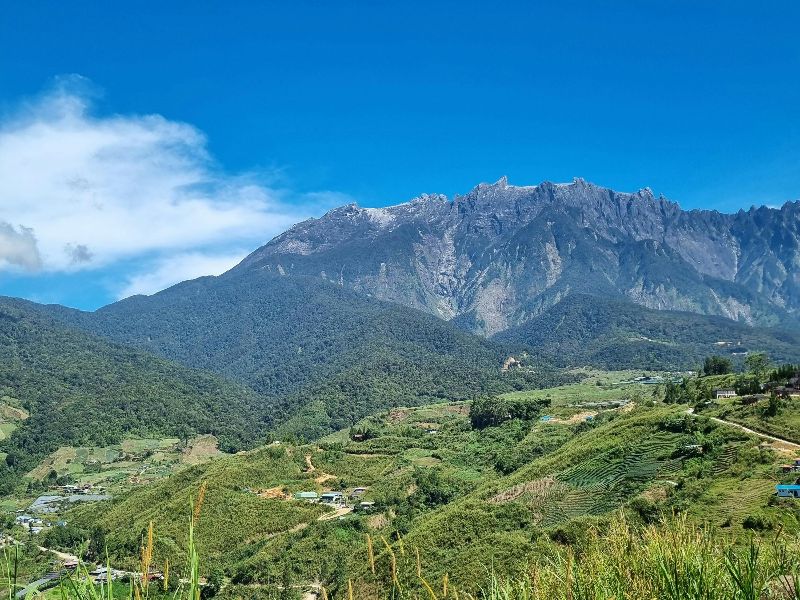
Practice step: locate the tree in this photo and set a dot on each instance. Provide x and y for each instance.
(774, 405)
(216, 580)
(717, 365)
(494, 410)
(757, 364)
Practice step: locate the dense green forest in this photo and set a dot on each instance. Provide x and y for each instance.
(306, 357)
(615, 334)
(82, 390)
(325, 356)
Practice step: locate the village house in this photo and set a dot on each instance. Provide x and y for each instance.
(791, 490)
(724, 393)
(334, 498)
(792, 468)
(307, 496)
(358, 492)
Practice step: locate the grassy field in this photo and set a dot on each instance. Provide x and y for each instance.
(595, 387)
(132, 463)
(784, 424)
(465, 498)
(11, 414)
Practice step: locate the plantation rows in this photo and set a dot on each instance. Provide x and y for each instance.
(603, 483)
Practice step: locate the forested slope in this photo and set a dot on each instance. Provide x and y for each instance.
(312, 346)
(83, 390)
(615, 334)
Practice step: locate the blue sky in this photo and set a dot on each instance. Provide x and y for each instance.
(144, 143)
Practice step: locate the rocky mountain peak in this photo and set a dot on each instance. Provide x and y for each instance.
(500, 254)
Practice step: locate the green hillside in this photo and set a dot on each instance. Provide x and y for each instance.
(311, 345)
(614, 334)
(504, 495)
(80, 390)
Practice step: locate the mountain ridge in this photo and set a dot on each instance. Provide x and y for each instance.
(526, 247)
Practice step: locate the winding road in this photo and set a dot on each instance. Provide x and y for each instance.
(781, 443)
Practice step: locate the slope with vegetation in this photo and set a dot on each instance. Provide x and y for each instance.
(314, 347)
(608, 333)
(462, 490)
(78, 390)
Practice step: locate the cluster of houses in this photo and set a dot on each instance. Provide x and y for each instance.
(792, 387)
(82, 488)
(793, 468)
(35, 524)
(54, 504)
(338, 499)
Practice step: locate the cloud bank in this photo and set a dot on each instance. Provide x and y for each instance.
(80, 191)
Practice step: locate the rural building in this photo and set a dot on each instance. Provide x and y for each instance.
(365, 506)
(307, 496)
(332, 498)
(724, 393)
(791, 468)
(788, 490)
(545, 418)
(357, 492)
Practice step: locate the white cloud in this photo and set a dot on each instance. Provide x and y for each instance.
(18, 248)
(88, 191)
(180, 267)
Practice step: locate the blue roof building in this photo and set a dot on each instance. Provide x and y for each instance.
(788, 490)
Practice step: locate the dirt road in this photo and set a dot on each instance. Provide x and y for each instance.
(779, 443)
(321, 477)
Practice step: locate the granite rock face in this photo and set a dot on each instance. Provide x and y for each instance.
(501, 254)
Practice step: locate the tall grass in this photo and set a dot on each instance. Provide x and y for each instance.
(676, 560)
(80, 585)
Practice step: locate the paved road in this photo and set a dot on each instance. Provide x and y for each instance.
(35, 585)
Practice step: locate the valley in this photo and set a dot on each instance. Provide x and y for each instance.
(432, 478)
(456, 424)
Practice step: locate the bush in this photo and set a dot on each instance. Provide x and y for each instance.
(757, 522)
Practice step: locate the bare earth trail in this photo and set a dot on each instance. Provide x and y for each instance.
(779, 443)
(322, 477)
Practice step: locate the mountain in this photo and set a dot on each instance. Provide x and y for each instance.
(322, 355)
(582, 329)
(501, 254)
(82, 390)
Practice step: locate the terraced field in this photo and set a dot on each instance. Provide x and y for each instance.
(132, 463)
(604, 482)
(10, 417)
